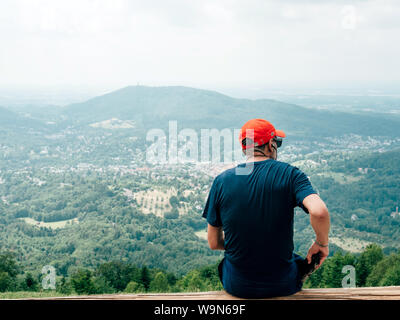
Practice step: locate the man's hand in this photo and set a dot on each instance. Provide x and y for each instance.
(315, 248)
(320, 222)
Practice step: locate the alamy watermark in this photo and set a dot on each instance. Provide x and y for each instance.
(349, 281)
(49, 280)
(187, 146)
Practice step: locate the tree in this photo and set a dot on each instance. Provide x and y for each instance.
(173, 214)
(316, 278)
(117, 274)
(174, 201)
(65, 286)
(159, 283)
(332, 275)
(5, 281)
(8, 271)
(102, 286)
(134, 287)
(379, 272)
(171, 278)
(82, 282)
(367, 260)
(192, 282)
(8, 264)
(211, 276)
(31, 284)
(391, 277)
(145, 278)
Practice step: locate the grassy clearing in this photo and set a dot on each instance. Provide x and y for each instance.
(30, 294)
(350, 244)
(340, 178)
(306, 163)
(156, 201)
(114, 123)
(51, 225)
(201, 234)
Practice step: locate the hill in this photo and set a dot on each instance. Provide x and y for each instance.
(83, 193)
(153, 107)
(12, 121)
(18, 134)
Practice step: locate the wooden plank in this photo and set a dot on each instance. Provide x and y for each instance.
(372, 293)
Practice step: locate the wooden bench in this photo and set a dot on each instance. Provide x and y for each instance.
(372, 293)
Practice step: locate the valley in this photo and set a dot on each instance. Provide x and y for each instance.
(77, 189)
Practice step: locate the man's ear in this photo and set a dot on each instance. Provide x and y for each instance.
(270, 147)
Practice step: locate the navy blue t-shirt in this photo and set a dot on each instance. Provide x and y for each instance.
(256, 212)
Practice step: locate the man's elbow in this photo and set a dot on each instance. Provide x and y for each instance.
(215, 238)
(216, 244)
(320, 213)
(213, 245)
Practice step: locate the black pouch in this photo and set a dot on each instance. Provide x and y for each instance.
(220, 269)
(305, 269)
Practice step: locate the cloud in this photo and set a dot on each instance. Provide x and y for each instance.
(200, 43)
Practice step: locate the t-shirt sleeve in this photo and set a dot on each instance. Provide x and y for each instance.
(211, 210)
(302, 188)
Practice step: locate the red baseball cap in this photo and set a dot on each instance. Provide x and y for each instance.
(260, 131)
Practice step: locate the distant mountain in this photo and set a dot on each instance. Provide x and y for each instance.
(347, 103)
(19, 125)
(154, 106)
(9, 118)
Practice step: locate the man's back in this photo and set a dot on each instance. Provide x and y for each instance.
(256, 213)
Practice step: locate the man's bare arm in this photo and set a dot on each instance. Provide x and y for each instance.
(215, 238)
(320, 222)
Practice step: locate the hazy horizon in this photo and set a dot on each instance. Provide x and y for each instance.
(232, 47)
(65, 95)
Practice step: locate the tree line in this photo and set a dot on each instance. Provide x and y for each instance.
(372, 268)
(110, 277)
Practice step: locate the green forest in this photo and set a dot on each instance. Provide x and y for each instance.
(101, 224)
(361, 190)
(372, 268)
(77, 193)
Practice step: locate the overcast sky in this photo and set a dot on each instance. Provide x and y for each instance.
(209, 44)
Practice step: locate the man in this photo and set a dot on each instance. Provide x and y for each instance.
(251, 218)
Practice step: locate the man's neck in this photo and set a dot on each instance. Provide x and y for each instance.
(257, 158)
